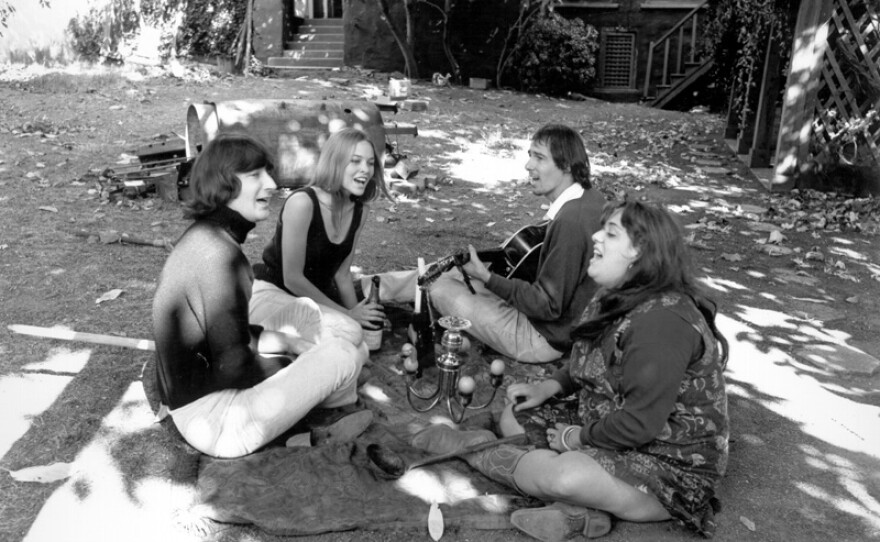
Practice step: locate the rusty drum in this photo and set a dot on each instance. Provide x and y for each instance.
(294, 130)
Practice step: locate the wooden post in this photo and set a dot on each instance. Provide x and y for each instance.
(759, 154)
(731, 130)
(808, 51)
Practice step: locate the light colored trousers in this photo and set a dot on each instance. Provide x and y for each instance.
(233, 423)
(493, 321)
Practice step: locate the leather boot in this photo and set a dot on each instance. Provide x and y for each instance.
(442, 439)
(560, 521)
(497, 463)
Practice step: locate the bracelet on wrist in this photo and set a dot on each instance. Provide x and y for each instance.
(565, 434)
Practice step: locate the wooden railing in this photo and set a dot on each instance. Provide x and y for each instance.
(679, 53)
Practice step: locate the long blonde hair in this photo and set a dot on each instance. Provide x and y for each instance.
(335, 156)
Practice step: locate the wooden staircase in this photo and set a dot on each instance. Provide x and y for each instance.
(319, 45)
(673, 61)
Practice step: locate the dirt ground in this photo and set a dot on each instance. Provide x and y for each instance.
(797, 277)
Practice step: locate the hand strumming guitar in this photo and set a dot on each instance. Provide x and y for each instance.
(475, 267)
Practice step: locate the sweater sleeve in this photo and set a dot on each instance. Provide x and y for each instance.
(562, 260)
(657, 349)
(229, 337)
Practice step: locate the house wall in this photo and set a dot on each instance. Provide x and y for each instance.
(477, 31)
(268, 28)
(647, 19)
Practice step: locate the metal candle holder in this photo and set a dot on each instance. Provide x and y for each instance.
(451, 387)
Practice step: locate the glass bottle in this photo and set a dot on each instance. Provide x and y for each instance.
(373, 337)
(423, 338)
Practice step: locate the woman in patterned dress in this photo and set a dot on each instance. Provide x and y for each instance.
(650, 438)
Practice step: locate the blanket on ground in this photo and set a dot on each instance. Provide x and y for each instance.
(335, 487)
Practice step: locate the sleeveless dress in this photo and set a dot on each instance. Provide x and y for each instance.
(323, 257)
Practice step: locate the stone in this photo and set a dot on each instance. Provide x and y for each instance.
(840, 359)
(756, 209)
(815, 311)
(715, 170)
(788, 275)
(414, 105)
(763, 226)
(709, 162)
(774, 250)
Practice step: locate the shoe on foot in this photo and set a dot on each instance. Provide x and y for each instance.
(561, 521)
(344, 429)
(442, 439)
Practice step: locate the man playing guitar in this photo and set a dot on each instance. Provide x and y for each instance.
(530, 320)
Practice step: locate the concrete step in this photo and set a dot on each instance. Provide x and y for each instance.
(308, 29)
(322, 47)
(294, 71)
(333, 38)
(324, 22)
(293, 62)
(318, 55)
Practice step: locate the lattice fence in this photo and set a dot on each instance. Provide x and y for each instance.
(846, 121)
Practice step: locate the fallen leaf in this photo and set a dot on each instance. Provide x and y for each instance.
(774, 250)
(732, 257)
(750, 525)
(109, 296)
(776, 237)
(49, 208)
(110, 236)
(44, 474)
(854, 299)
(435, 522)
(814, 254)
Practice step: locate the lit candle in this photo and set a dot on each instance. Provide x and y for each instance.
(497, 367)
(466, 385)
(410, 365)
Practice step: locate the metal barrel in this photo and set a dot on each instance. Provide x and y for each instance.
(294, 130)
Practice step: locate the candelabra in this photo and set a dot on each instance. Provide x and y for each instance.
(449, 379)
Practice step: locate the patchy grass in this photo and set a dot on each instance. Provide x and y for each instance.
(85, 404)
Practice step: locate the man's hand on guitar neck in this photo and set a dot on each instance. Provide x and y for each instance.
(475, 267)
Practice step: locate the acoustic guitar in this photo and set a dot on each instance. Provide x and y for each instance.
(516, 258)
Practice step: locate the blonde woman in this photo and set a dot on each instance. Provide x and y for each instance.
(305, 278)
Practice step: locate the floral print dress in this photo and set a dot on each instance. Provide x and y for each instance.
(683, 461)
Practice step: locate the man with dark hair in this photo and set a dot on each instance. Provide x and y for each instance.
(530, 321)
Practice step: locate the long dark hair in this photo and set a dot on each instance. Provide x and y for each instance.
(663, 266)
(213, 181)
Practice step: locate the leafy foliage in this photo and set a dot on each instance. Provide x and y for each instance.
(100, 33)
(736, 36)
(190, 27)
(529, 11)
(210, 26)
(556, 55)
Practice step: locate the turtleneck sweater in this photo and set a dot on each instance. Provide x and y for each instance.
(204, 342)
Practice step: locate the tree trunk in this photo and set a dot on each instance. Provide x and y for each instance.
(444, 14)
(411, 70)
